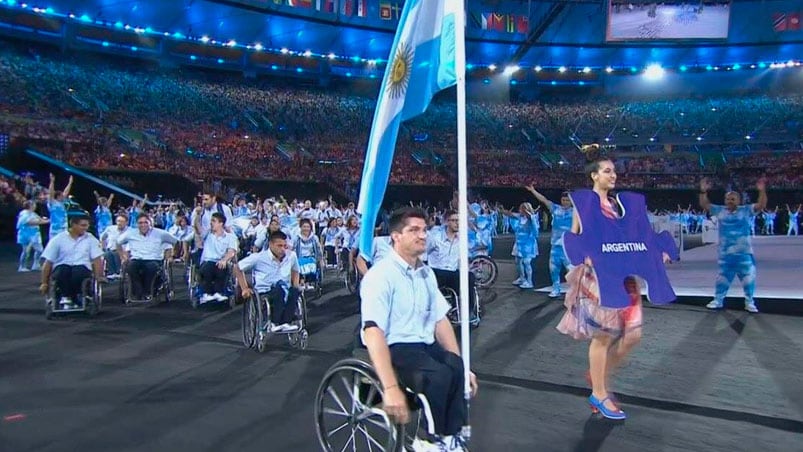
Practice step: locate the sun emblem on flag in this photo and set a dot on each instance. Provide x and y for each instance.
(400, 71)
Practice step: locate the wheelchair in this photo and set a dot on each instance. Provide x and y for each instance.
(91, 291)
(256, 322)
(349, 414)
(194, 285)
(474, 310)
(311, 266)
(162, 285)
(352, 278)
(485, 270)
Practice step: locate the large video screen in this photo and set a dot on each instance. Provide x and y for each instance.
(649, 20)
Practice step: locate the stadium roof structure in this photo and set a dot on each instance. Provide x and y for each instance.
(543, 34)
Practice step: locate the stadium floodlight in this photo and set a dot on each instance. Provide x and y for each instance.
(308, 53)
(654, 72)
(332, 56)
(231, 43)
(205, 39)
(258, 47)
(492, 67)
(285, 51)
(683, 68)
(586, 70)
(608, 69)
(512, 69)
(562, 69)
(538, 68)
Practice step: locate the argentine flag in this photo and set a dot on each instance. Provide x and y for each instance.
(421, 63)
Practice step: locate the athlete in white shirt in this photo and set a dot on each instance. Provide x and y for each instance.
(71, 256)
(145, 255)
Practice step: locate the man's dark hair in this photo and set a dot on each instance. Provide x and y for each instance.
(78, 217)
(220, 217)
(399, 217)
(277, 235)
(143, 215)
(449, 213)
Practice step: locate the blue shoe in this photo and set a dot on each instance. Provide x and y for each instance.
(599, 405)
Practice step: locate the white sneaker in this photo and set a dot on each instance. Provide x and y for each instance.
(422, 445)
(206, 298)
(65, 300)
(289, 327)
(517, 282)
(714, 304)
(23, 270)
(220, 297)
(276, 328)
(526, 286)
(455, 443)
(554, 294)
(751, 307)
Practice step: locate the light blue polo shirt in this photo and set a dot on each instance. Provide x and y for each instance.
(215, 247)
(402, 301)
(268, 270)
(63, 249)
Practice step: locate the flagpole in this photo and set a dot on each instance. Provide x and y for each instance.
(462, 189)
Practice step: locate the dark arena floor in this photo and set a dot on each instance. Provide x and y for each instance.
(171, 378)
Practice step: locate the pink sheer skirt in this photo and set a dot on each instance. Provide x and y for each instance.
(585, 318)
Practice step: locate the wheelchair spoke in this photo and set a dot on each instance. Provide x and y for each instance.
(335, 412)
(349, 391)
(339, 428)
(333, 393)
(370, 439)
(350, 441)
(372, 393)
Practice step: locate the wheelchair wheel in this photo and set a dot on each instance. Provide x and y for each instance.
(454, 302)
(262, 320)
(191, 285)
(352, 281)
(348, 410)
(485, 270)
(125, 288)
(303, 339)
(89, 289)
(50, 301)
(169, 293)
(250, 321)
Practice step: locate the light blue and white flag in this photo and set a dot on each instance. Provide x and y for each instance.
(421, 63)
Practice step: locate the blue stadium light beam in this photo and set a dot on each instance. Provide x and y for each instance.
(73, 170)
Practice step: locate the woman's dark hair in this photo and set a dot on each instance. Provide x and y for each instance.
(594, 156)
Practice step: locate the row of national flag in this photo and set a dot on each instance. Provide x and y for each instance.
(390, 10)
(786, 21)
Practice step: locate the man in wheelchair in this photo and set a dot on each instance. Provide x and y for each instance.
(71, 257)
(443, 255)
(219, 248)
(276, 277)
(145, 255)
(409, 339)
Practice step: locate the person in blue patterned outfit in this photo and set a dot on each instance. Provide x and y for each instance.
(103, 213)
(28, 236)
(56, 206)
(735, 249)
(561, 222)
(525, 226)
